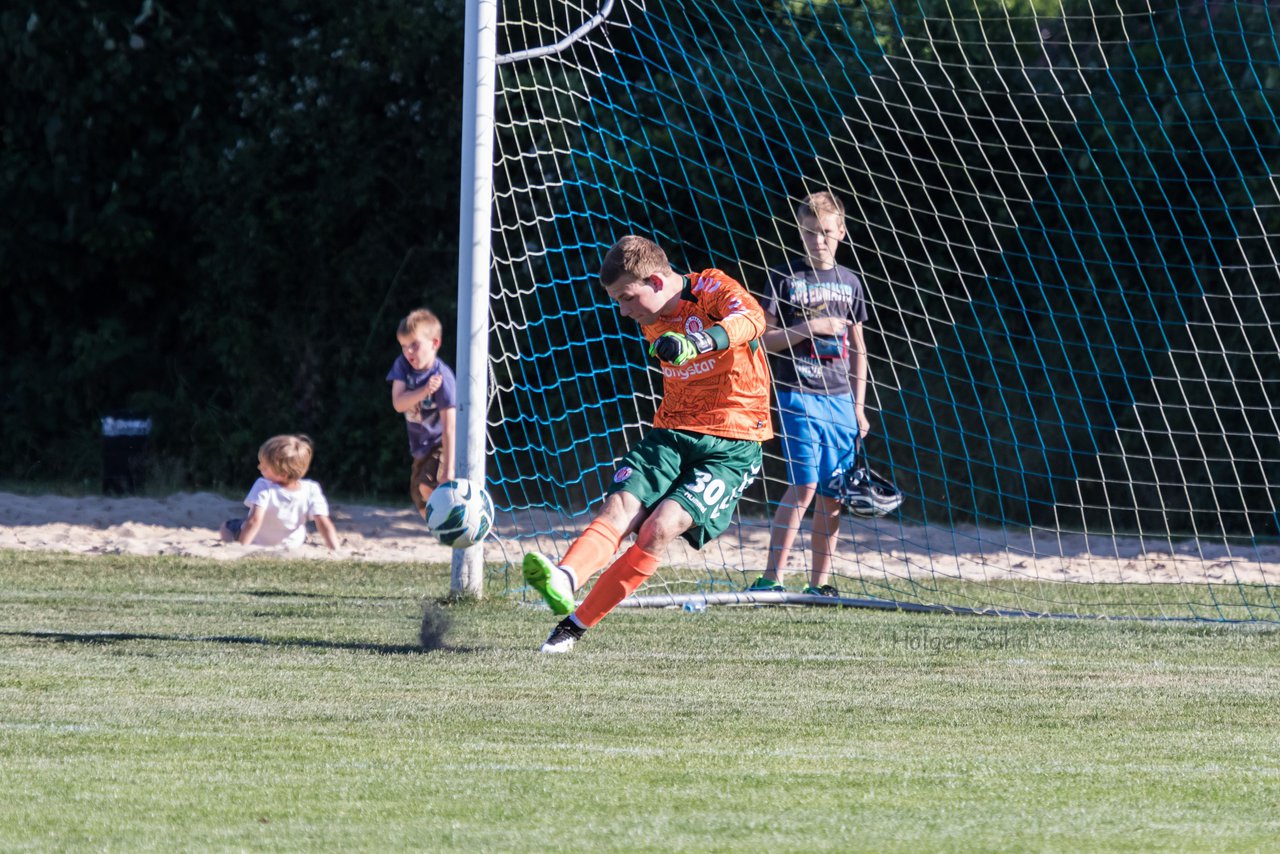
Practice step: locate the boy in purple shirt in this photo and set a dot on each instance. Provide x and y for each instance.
(424, 389)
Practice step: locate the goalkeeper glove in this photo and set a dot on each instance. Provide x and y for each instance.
(677, 349)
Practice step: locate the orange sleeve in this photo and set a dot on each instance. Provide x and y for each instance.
(736, 310)
(723, 392)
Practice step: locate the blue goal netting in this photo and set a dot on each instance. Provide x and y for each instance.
(1066, 217)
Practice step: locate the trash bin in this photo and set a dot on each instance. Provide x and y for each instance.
(124, 453)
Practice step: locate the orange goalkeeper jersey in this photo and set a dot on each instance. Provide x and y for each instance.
(723, 392)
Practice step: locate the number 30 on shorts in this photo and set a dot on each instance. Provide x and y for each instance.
(707, 489)
(710, 491)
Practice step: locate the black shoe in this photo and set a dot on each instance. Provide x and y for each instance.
(563, 636)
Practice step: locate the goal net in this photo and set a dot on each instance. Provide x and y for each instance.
(1065, 216)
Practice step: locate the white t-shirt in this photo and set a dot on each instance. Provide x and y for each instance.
(285, 511)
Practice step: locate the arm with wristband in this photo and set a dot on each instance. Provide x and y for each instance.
(740, 320)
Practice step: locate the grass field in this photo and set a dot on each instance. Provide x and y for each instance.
(170, 704)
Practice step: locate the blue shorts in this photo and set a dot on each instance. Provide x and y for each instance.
(819, 433)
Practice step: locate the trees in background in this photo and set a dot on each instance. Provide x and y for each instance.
(215, 213)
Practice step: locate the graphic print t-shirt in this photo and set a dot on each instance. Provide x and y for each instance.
(286, 512)
(423, 421)
(723, 392)
(797, 293)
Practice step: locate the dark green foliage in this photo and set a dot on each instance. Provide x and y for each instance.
(216, 214)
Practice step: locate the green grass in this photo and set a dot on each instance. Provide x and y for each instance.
(173, 704)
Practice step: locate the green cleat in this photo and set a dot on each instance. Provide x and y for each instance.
(824, 590)
(766, 585)
(554, 583)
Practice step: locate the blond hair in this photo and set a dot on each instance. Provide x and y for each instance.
(633, 257)
(289, 455)
(819, 204)
(420, 319)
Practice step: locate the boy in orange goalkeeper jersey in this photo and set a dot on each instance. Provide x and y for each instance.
(686, 475)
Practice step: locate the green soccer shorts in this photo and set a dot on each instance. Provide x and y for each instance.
(706, 475)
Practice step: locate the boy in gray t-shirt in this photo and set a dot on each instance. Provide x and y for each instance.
(814, 313)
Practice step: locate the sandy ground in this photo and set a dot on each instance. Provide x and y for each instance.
(186, 524)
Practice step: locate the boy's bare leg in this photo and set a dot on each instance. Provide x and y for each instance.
(786, 525)
(826, 531)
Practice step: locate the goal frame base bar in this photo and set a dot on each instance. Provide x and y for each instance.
(746, 597)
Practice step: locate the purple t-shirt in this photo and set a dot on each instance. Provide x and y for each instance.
(423, 421)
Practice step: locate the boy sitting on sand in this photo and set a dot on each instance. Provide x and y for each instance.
(282, 501)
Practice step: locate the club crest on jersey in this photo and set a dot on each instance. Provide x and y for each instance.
(623, 474)
(693, 324)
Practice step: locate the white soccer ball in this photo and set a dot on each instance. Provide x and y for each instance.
(460, 513)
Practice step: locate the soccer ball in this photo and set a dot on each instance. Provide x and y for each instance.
(460, 513)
